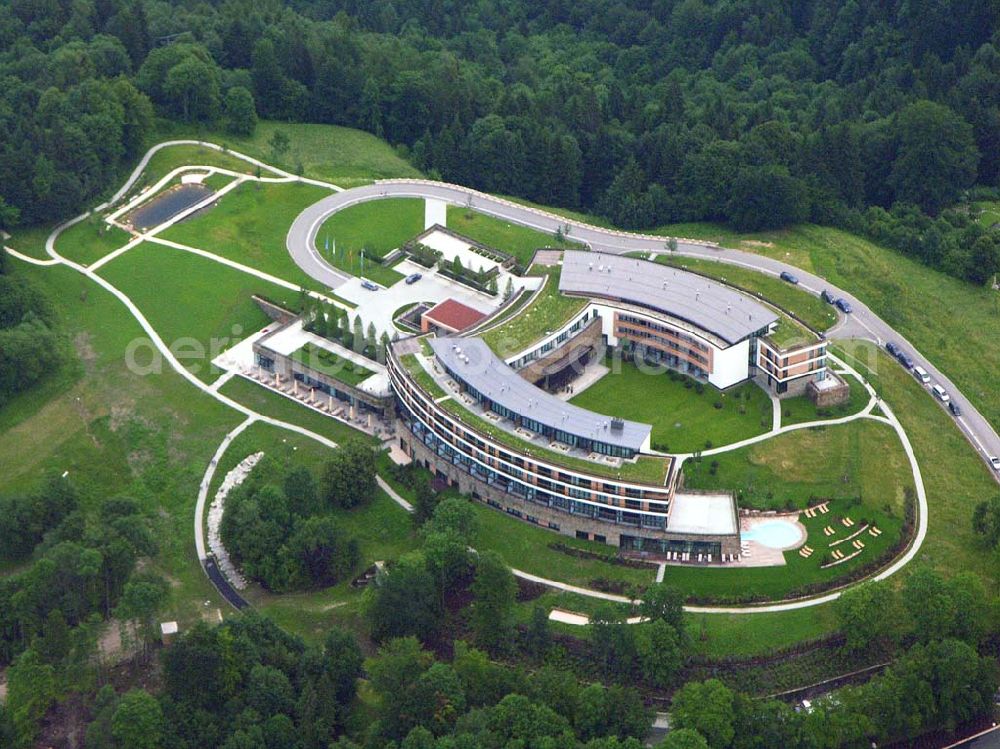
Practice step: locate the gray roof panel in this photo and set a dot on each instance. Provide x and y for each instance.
(475, 363)
(700, 301)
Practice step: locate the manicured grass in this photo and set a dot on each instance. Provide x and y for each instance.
(249, 225)
(169, 158)
(265, 401)
(955, 478)
(547, 312)
(336, 154)
(30, 240)
(943, 317)
(810, 309)
(199, 307)
(797, 469)
(798, 574)
(645, 470)
(330, 364)
(117, 432)
(90, 240)
(422, 376)
(376, 227)
(801, 409)
(516, 240)
(683, 419)
(217, 181)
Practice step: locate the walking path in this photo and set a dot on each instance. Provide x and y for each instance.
(609, 238)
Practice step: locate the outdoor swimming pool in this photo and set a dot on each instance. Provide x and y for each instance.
(775, 534)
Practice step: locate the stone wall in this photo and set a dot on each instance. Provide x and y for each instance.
(829, 396)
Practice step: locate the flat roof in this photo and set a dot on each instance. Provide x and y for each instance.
(706, 304)
(707, 514)
(452, 314)
(474, 362)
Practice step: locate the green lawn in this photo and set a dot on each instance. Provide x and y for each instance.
(330, 364)
(90, 240)
(217, 181)
(546, 313)
(683, 419)
(987, 212)
(800, 468)
(943, 317)
(249, 225)
(378, 226)
(265, 401)
(167, 159)
(30, 240)
(801, 409)
(336, 154)
(199, 307)
(810, 309)
(516, 240)
(117, 432)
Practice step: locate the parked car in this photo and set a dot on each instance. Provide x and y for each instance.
(892, 348)
(995, 462)
(827, 297)
(413, 278)
(844, 306)
(786, 276)
(940, 393)
(905, 360)
(953, 407)
(369, 285)
(921, 374)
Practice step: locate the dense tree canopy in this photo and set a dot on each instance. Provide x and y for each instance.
(649, 112)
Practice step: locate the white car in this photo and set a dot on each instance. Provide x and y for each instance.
(995, 462)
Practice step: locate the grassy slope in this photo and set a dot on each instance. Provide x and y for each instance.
(249, 226)
(117, 433)
(340, 155)
(801, 409)
(513, 239)
(191, 299)
(682, 419)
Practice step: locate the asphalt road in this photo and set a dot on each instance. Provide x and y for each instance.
(861, 324)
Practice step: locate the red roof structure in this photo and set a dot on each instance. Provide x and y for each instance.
(451, 316)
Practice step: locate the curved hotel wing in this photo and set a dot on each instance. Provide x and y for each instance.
(479, 423)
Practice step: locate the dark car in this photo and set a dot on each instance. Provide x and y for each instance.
(892, 348)
(786, 276)
(844, 306)
(827, 297)
(905, 360)
(413, 278)
(953, 407)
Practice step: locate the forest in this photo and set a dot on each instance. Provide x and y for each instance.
(882, 118)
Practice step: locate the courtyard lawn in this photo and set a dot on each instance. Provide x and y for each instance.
(249, 225)
(812, 310)
(514, 239)
(270, 403)
(89, 240)
(199, 307)
(800, 409)
(117, 432)
(684, 417)
(943, 317)
(545, 313)
(332, 365)
(797, 469)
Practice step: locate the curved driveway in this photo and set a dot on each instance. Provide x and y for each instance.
(863, 323)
